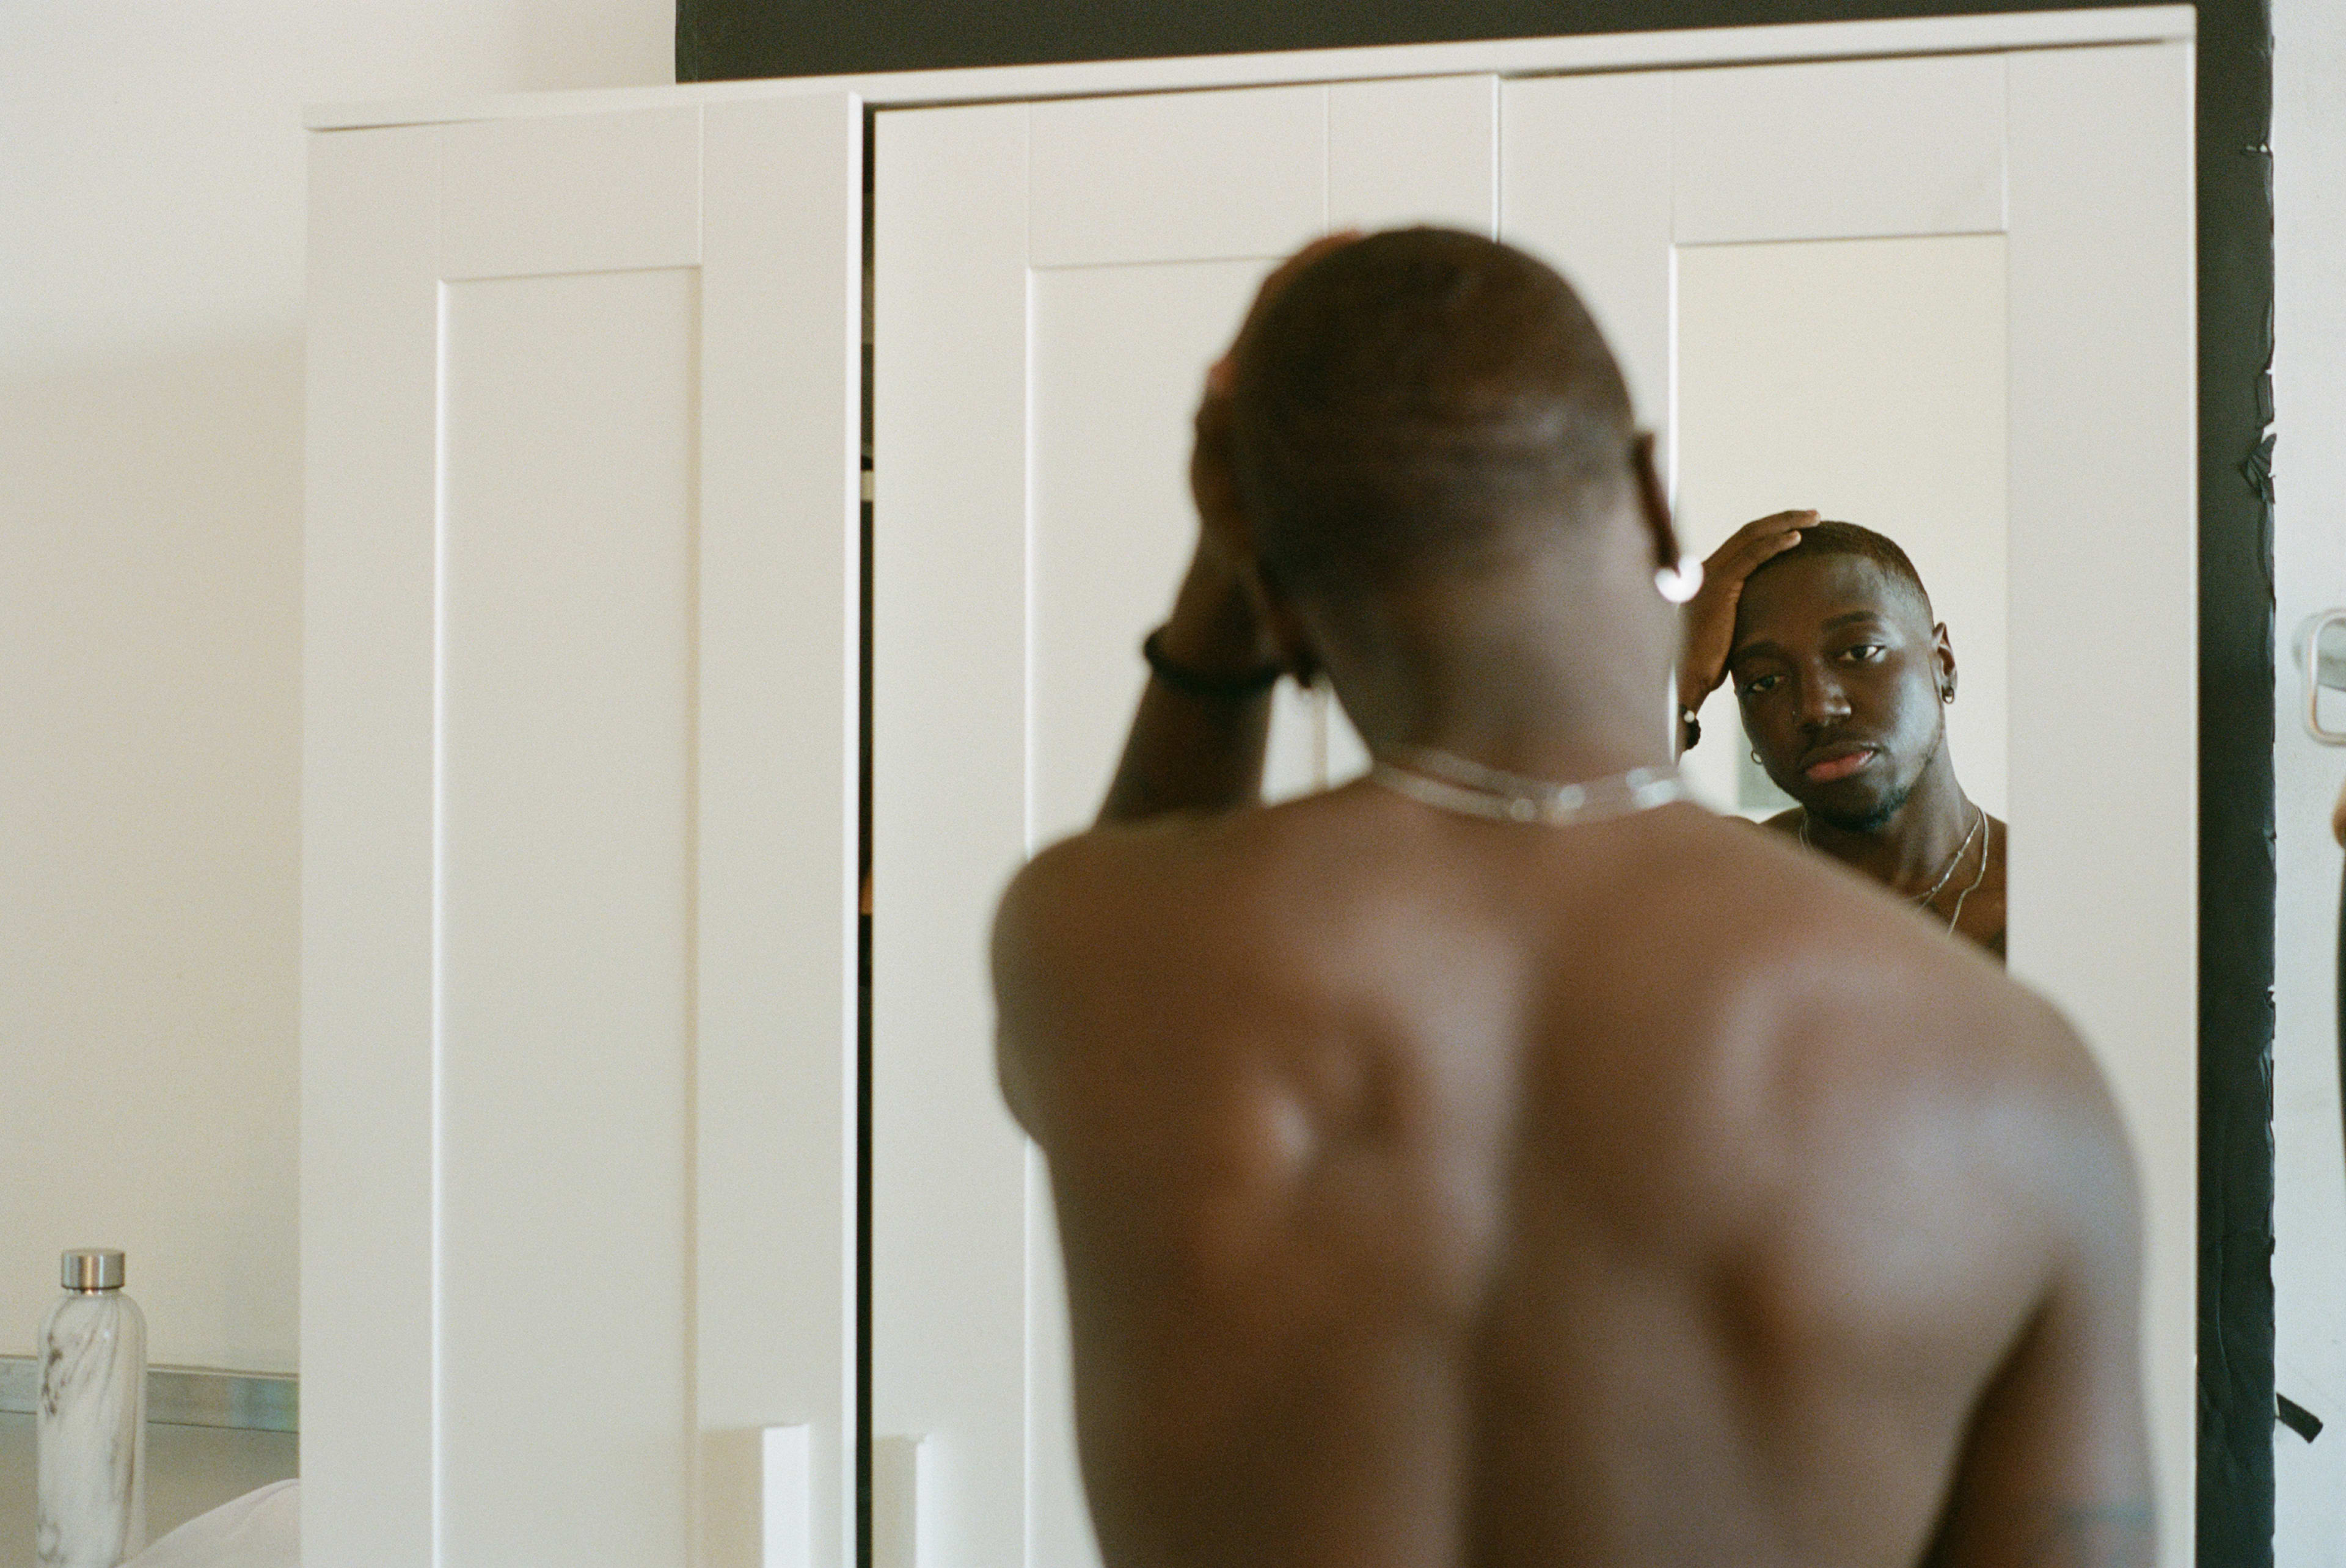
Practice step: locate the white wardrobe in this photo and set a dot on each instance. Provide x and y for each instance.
(585, 648)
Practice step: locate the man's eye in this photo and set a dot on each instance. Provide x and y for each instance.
(1864, 653)
(1759, 683)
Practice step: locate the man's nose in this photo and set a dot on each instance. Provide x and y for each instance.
(1823, 701)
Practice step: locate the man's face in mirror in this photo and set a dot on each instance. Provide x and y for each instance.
(1839, 673)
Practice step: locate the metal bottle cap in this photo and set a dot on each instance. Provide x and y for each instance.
(92, 1269)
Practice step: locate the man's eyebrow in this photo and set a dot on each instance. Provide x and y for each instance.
(1846, 616)
(1762, 646)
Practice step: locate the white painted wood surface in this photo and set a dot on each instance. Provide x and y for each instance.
(1584, 182)
(1420, 150)
(368, 849)
(579, 815)
(512, 202)
(786, 1498)
(1840, 150)
(950, 1238)
(562, 1186)
(1176, 177)
(2105, 865)
(900, 1468)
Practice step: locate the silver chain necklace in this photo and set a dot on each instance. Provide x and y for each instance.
(1978, 823)
(1453, 783)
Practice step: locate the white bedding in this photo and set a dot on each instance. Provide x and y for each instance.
(260, 1530)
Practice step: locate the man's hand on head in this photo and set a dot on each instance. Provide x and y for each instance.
(1197, 743)
(1216, 627)
(1710, 614)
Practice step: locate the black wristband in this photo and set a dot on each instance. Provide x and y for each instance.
(1206, 687)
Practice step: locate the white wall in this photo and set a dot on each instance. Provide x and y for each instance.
(2309, 549)
(151, 178)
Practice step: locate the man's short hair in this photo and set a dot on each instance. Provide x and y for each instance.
(1421, 399)
(1819, 539)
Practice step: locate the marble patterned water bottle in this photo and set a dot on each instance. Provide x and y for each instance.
(90, 1428)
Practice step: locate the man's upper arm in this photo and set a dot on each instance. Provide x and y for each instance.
(1023, 929)
(2055, 1469)
(1052, 944)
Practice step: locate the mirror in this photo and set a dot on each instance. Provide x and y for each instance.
(1866, 379)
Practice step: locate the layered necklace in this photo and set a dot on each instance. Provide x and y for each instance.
(1979, 827)
(1452, 783)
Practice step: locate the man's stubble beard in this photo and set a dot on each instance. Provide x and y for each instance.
(1878, 816)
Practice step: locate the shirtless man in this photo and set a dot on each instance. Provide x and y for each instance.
(1446, 1189)
(1844, 676)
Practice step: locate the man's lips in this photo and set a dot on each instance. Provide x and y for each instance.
(1837, 762)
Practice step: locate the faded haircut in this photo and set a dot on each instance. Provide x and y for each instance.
(1422, 399)
(1820, 539)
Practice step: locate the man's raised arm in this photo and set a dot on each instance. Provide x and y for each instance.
(1196, 742)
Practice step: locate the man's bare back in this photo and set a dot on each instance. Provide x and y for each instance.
(1438, 1191)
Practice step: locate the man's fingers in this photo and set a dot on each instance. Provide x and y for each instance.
(1768, 545)
(1753, 543)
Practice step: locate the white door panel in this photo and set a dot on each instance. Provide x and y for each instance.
(949, 802)
(1422, 150)
(1584, 183)
(1840, 151)
(1178, 177)
(565, 908)
(370, 694)
(579, 856)
(515, 198)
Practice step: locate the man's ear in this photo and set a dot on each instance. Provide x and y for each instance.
(1942, 661)
(1653, 503)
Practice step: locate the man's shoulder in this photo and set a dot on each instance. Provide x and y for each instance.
(1838, 965)
(1107, 912)
(1097, 884)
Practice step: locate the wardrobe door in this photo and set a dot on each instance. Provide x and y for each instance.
(1053, 279)
(579, 839)
(1952, 298)
(1052, 282)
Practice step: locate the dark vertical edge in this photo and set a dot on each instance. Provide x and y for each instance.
(861, 1523)
(2235, 1522)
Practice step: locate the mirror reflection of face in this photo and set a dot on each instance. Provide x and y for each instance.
(1839, 670)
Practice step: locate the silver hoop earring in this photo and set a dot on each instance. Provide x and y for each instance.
(1755, 757)
(1679, 583)
(1947, 695)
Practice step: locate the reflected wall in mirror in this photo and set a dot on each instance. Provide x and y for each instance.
(1866, 379)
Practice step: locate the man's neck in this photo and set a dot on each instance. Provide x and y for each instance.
(1920, 842)
(1531, 675)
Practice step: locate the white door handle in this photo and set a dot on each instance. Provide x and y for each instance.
(898, 1480)
(786, 1497)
